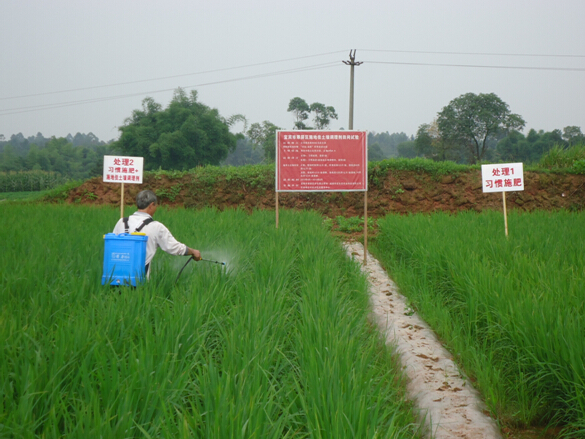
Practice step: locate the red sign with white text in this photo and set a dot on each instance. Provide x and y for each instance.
(321, 161)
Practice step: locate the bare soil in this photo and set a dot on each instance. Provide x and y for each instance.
(399, 192)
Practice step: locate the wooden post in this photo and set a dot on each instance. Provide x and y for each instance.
(122, 202)
(505, 213)
(365, 227)
(277, 210)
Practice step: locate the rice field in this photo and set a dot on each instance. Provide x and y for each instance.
(512, 311)
(277, 344)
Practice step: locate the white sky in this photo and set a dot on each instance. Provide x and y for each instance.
(115, 48)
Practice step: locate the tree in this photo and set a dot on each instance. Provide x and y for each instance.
(323, 115)
(423, 144)
(264, 136)
(300, 110)
(184, 135)
(246, 153)
(573, 135)
(388, 142)
(9, 160)
(375, 153)
(407, 149)
(430, 144)
(530, 149)
(471, 121)
(32, 158)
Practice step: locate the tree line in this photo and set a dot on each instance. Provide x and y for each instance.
(481, 128)
(187, 133)
(75, 157)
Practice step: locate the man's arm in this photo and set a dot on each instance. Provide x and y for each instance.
(169, 244)
(119, 228)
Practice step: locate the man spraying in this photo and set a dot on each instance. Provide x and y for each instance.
(158, 234)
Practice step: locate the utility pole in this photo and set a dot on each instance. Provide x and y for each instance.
(351, 63)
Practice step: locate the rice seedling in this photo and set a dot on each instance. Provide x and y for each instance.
(275, 344)
(511, 310)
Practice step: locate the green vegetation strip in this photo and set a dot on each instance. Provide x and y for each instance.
(29, 181)
(512, 311)
(277, 344)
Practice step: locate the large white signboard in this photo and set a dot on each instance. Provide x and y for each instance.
(503, 177)
(120, 169)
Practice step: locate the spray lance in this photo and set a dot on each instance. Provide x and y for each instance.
(201, 259)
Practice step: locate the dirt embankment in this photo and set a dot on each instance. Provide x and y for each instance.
(396, 192)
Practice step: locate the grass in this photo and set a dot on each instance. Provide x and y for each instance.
(511, 310)
(276, 344)
(570, 159)
(22, 196)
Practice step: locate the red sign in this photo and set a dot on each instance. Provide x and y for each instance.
(321, 161)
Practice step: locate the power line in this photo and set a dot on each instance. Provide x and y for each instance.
(313, 56)
(170, 77)
(575, 69)
(18, 110)
(477, 53)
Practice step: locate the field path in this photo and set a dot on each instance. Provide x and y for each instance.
(449, 406)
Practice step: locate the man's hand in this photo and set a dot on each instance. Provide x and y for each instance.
(196, 254)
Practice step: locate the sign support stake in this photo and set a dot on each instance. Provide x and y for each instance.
(505, 213)
(276, 210)
(365, 227)
(122, 201)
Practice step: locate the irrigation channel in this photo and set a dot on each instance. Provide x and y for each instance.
(448, 404)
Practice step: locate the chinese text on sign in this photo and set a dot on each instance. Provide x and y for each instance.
(321, 161)
(118, 169)
(504, 177)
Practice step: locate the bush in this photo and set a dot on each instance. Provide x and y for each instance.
(559, 157)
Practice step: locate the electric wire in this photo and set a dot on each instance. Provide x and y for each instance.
(296, 59)
(170, 77)
(18, 110)
(477, 66)
(538, 55)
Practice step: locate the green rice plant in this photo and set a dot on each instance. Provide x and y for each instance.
(511, 309)
(275, 344)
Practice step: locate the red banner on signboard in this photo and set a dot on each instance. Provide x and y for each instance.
(321, 161)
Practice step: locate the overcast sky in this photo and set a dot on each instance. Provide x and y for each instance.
(84, 66)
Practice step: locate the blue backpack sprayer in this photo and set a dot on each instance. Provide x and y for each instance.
(125, 257)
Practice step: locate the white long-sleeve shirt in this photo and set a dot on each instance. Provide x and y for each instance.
(158, 236)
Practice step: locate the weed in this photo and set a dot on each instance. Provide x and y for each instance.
(89, 195)
(171, 193)
(353, 224)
